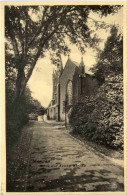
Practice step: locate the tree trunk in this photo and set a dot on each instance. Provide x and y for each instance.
(20, 83)
(20, 87)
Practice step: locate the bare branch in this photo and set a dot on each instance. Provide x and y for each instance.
(26, 34)
(39, 30)
(21, 36)
(42, 45)
(15, 45)
(97, 21)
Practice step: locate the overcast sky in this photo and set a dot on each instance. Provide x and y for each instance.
(40, 82)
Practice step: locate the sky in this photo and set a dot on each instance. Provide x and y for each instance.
(40, 82)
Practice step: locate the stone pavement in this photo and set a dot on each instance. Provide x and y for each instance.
(60, 163)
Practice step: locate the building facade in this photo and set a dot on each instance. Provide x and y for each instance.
(69, 85)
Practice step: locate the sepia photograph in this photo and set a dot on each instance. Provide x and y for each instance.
(64, 100)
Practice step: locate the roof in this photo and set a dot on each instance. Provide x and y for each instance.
(76, 63)
(87, 71)
(53, 106)
(69, 70)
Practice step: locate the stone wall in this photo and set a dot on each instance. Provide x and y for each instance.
(67, 75)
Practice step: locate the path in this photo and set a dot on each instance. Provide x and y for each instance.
(58, 162)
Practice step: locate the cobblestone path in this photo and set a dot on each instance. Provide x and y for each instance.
(59, 162)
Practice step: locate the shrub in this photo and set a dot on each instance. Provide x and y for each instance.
(100, 118)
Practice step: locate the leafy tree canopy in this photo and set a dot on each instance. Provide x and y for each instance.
(110, 60)
(32, 30)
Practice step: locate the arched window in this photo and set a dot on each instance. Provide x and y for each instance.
(69, 93)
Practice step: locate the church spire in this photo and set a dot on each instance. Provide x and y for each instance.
(69, 56)
(82, 65)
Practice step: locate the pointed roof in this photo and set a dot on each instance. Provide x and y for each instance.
(69, 69)
(82, 62)
(80, 65)
(69, 57)
(69, 61)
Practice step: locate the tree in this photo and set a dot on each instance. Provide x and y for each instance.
(110, 60)
(31, 37)
(41, 111)
(100, 117)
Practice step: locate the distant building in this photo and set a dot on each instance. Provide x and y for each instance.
(69, 84)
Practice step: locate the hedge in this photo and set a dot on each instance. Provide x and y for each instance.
(100, 118)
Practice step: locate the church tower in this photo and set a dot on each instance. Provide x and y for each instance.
(56, 88)
(60, 66)
(60, 70)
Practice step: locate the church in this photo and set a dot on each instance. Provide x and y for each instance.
(70, 84)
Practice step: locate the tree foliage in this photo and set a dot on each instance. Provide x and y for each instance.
(100, 117)
(32, 30)
(18, 117)
(110, 60)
